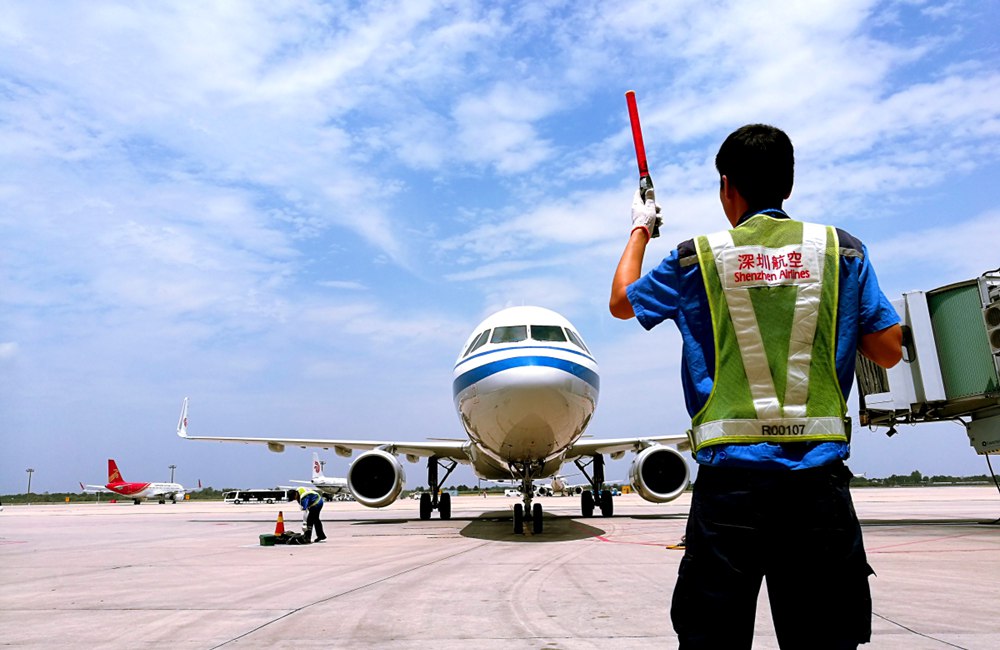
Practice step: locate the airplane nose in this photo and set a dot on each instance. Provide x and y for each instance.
(527, 411)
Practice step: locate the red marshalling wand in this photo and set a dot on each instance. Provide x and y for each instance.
(645, 181)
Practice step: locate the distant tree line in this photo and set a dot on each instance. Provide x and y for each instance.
(204, 494)
(915, 478)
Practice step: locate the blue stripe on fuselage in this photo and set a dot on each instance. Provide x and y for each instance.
(466, 379)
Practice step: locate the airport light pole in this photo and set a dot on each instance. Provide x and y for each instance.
(30, 471)
(172, 468)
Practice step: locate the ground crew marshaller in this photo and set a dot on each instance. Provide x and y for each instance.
(771, 314)
(312, 504)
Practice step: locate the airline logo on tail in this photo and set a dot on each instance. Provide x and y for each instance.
(114, 476)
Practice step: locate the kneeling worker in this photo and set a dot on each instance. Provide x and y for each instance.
(311, 503)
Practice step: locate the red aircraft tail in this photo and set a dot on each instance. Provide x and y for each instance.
(114, 476)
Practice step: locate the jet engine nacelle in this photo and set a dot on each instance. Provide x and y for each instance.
(659, 474)
(376, 478)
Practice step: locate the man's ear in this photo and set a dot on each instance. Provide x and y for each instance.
(727, 188)
(733, 203)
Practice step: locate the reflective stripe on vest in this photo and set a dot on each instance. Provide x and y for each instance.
(745, 406)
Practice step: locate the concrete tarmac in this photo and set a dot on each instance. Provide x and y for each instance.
(193, 575)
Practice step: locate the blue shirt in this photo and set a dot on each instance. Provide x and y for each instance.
(309, 499)
(674, 290)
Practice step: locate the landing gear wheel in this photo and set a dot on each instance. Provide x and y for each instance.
(444, 506)
(607, 505)
(587, 503)
(518, 519)
(425, 506)
(536, 519)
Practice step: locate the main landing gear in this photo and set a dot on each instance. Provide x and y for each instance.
(527, 512)
(437, 500)
(598, 496)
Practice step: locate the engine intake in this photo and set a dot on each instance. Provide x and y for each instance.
(376, 478)
(659, 474)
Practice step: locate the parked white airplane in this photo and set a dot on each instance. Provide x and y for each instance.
(325, 484)
(558, 485)
(525, 388)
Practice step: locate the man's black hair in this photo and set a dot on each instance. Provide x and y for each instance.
(759, 161)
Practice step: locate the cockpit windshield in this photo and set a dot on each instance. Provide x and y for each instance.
(477, 343)
(547, 333)
(575, 338)
(509, 334)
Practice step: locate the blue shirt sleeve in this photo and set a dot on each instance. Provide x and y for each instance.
(655, 297)
(875, 311)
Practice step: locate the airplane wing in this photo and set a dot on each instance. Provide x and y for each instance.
(615, 447)
(453, 449)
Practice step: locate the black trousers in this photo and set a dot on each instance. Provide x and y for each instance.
(313, 522)
(796, 529)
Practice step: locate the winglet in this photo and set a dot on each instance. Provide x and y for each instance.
(182, 423)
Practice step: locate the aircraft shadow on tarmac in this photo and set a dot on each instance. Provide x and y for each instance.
(498, 526)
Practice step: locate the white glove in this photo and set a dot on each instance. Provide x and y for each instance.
(645, 215)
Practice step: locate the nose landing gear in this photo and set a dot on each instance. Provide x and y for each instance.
(527, 511)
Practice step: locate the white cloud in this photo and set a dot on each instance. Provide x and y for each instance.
(932, 257)
(8, 350)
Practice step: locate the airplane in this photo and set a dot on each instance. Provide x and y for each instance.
(558, 485)
(137, 491)
(525, 388)
(326, 484)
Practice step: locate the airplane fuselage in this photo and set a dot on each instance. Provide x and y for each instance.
(147, 490)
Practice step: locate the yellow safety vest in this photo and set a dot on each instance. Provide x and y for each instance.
(772, 293)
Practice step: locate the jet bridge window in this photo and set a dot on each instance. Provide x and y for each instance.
(477, 343)
(547, 333)
(573, 336)
(510, 334)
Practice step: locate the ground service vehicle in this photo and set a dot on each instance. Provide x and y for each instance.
(255, 496)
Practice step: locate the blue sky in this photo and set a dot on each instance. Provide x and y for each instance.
(295, 212)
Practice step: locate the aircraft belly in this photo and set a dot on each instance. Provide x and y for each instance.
(527, 413)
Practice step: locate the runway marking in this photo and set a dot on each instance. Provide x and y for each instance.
(926, 541)
(911, 630)
(602, 538)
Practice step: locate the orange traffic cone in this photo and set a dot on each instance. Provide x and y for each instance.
(279, 528)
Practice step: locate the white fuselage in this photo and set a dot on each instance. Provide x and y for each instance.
(147, 490)
(330, 483)
(523, 395)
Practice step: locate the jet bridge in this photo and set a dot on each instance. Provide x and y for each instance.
(951, 363)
